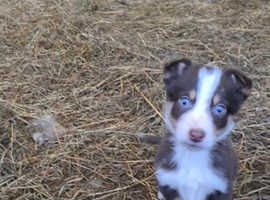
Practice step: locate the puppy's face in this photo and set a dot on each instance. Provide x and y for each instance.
(201, 102)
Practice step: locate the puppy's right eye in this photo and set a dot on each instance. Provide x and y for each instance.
(220, 110)
(185, 102)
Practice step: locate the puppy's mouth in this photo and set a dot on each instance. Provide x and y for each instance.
(193, 146)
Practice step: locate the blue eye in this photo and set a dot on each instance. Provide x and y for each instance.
(220, 110)
(185, 102)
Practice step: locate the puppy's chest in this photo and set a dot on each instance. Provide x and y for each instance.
(193, 177)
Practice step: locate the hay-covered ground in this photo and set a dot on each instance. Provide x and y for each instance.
(96, 67)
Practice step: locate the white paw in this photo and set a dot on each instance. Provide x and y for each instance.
(160, 196)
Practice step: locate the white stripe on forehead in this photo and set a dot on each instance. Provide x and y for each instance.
(208, 82)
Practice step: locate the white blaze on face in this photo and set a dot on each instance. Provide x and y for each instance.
(207, 85)
(199, 117)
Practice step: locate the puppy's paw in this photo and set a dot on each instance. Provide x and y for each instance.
(160, 196)
(150, 139)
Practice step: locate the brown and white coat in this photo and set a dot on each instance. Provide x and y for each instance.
(195, 160)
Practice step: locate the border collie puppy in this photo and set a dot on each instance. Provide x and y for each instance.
(195, 160)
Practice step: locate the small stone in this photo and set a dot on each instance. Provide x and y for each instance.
(46, 129)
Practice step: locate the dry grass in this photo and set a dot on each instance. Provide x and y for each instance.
(96, 66)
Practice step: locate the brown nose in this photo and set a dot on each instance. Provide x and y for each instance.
(196, 135)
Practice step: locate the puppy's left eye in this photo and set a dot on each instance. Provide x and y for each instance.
(185, 102)
(220, 110)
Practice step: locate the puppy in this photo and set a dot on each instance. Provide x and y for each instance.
(195, 160)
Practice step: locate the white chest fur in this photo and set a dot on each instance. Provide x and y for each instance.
(193, 178)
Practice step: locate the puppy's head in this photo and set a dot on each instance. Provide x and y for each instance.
(201, 101)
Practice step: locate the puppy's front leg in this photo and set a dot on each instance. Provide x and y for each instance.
(221, 196)
(166, 193)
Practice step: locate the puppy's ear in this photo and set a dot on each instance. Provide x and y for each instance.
(238, 86)
(173, 76)
(175, 68)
